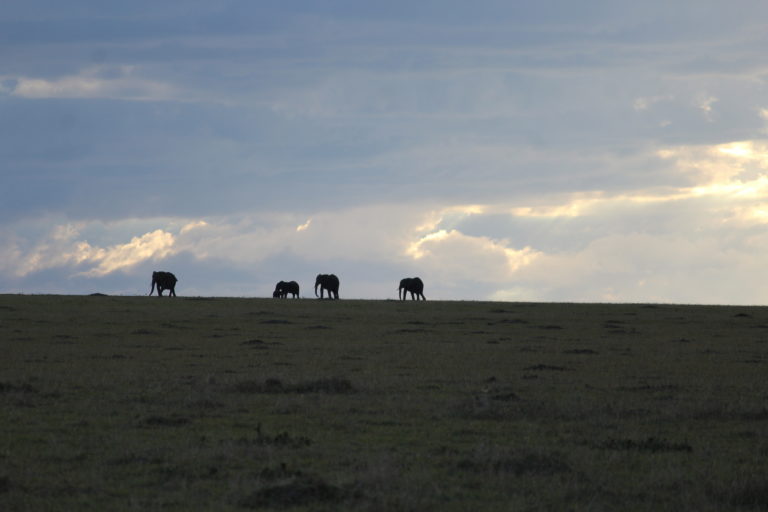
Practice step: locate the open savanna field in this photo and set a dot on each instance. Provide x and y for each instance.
(148, 403)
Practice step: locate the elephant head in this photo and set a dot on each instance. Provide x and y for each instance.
(329, 283)
(278, 293)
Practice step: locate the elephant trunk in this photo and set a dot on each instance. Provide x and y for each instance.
(316, 285)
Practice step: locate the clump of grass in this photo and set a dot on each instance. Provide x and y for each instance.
(21, 394)
(281, 439)
(333, 385)
(165, 421)
(280, 472)
(580, 351)
(497, 460)
(383, 482)
(650, 387)
(296, 491)
(12, 387)
(651, 444)
(497, 404)
(255, 344)
(545, 367)
(749, 492)
(731, 413)
(143, 332)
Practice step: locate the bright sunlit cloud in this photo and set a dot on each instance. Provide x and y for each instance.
(64, 249)
(155, 245)
(192, 226)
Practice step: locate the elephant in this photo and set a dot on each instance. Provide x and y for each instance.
(164, 281)
(329, 283)
(414, 285)
(283, 288)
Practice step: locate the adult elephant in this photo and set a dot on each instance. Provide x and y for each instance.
(414, 285)
(283, 288)
(164, 281)
(329, 283)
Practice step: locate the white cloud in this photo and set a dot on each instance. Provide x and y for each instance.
(65, 248)
(370, 233)
(150, 246)
(95, 82)
(454, 257)
(193, 225)
(645, 102)
(640, 267)
(704, 103)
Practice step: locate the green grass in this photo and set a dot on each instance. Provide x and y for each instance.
(139, 403)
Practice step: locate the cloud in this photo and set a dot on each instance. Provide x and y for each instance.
(641, 267)
(305, 226)
(150, 246)
(120, 83)
(644, 103)
(454, 257)
(193, 225)
(64, 248)
(704, 103)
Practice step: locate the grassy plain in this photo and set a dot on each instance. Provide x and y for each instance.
(147, 403)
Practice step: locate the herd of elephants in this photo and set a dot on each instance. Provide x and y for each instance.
(328, 283)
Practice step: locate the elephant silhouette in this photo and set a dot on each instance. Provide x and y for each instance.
(283, 288)
(414, 285)
(164, 281)
(329, 283)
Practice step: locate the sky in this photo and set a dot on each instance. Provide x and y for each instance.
(591, 151)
